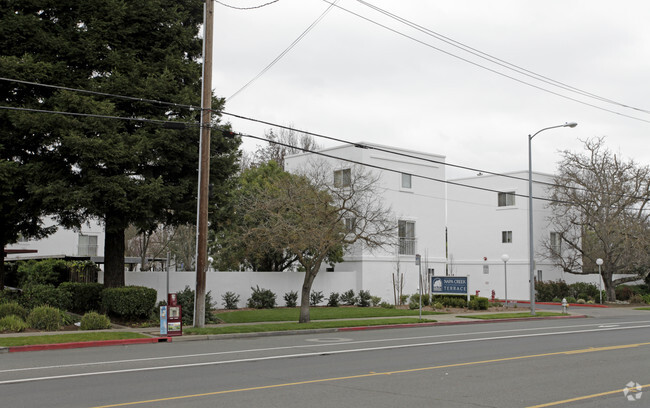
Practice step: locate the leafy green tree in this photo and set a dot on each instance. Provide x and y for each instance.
(229, 250)
(120, 171)
(600, 210)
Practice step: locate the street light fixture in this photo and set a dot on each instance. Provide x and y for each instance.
(530, 212)
(599, 262)
(505, 258)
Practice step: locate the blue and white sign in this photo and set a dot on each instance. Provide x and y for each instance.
(455, 285)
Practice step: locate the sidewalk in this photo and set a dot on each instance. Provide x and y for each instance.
(154, 336)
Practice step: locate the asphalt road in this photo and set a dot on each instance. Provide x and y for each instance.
(565, 363)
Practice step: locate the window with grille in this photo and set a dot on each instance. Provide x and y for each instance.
(406, 231)
(506, 237)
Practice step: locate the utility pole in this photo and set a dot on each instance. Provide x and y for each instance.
(204, 168)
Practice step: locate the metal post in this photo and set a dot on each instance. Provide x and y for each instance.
(531, 248)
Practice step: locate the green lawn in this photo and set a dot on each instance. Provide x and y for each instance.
(642, 308)
(316, 313)
(510, 315)
(256, 328)
(67, 338)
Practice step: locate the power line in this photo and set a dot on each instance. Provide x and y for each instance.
(286, 50)
(165, 123)
(131, 98)
(180, 125)
(246, 8)
(496, 60)
(494, 71)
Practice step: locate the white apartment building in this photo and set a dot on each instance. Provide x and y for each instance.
(413, 187)
(487, 217)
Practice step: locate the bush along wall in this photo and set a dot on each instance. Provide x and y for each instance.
(130, 302)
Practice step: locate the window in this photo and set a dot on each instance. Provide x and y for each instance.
(506, 237)
(406, 180)
(506, 199)
(406, 231)
(350, 224)
(87, 245)
(342, 178)
(556, 244)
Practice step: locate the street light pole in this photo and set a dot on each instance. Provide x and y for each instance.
(505, 259)
(531, 248)
(599, 262)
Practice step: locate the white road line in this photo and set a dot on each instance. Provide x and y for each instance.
(303, 346)
(312, 354)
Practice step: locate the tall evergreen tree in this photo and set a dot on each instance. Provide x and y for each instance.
(120, 171)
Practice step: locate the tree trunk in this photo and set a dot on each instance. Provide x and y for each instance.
(114, 253)
(304, 297)
(2, 266)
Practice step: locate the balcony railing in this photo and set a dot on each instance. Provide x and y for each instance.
(407, 246)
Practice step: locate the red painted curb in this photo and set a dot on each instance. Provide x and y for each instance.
(560, 304)
(82, 344)
(456, 322)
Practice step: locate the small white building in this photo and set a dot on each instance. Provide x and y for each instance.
(413, 187)
(84, 243)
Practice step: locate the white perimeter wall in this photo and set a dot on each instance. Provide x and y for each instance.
(374, 276)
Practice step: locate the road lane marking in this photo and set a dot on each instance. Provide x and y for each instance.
(585, 397)
(376, 374)
(314, 345)
(310, 354)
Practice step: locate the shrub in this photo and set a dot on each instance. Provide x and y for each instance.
(636, 299)
(364, 298)
(261, 298)
(623, 292)
(85, 296)
(583, 290)
(403, 299)
(438, 306)
(386, 305)
(130, 302)
(291, 299)
(13, 308)
(333, 300)
(9, 295)
(45, 318)
(315, 297)
(348, 298)
(12, 323)
(95, 321)
(479, 303)
(426, 299)
(185, 299)
(45, 272)
(39, 295)
(547, 290)
(375, 300)
(230, 300)
(415, 298)
(571, 299)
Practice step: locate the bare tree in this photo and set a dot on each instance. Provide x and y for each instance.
(600, 210)
(310, 217)
(282, 144)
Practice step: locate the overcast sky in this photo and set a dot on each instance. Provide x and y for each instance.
(352, 79)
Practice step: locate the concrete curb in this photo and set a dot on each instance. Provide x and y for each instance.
(83, 344)
(199, 337)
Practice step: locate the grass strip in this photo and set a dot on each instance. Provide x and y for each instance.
(316, 313)
(642, 308)
(67, 338)
(514, 315)
(256, 328)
